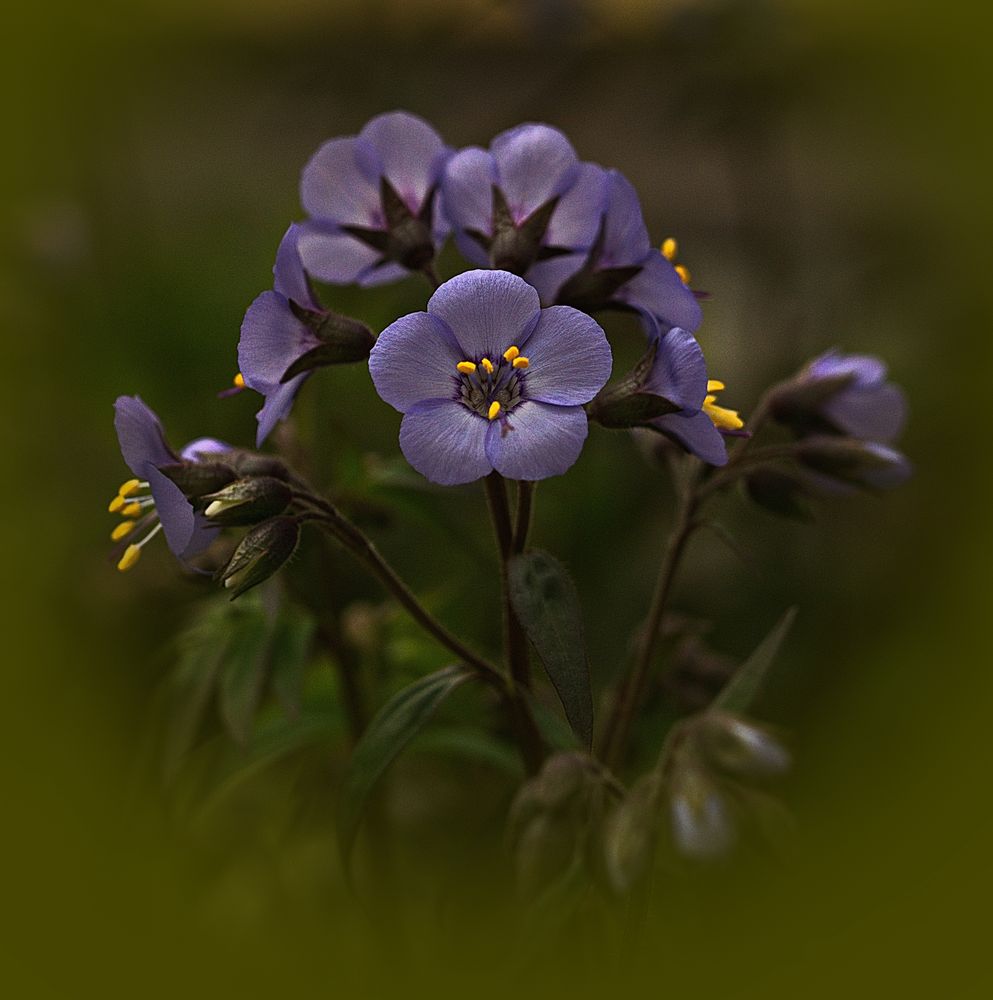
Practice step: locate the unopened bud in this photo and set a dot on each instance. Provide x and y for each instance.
(799, 402)
(196, 479)
(864, 464)
(260, 554)
(248, 501)
(251, 463)
(632, 833)
(342, 340)
(701, 825)
(737, 746)
(627, 403)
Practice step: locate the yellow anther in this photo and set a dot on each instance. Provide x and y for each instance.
(713, 385)
(670, 248)
(130, 487)
(684, 275)
(511, 353)
(131, 510)
(488, 365)
(493, 410)
(521, 362)
(122, 530)
(116, 504)
(239, 381)
(466, 367)
(131, 555)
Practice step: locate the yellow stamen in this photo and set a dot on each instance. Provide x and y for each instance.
(131, 510)
(521, 362)
(466, 367)
(488, 365)
(684, 275)
(670, 248)
(511, 353)
(116, 504)
(494, 410)
(713, 385)
(723, 418)
(130, 487)
(239, 381)
(131, 555)
(122, 530)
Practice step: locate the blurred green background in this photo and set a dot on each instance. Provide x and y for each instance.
(825, 167)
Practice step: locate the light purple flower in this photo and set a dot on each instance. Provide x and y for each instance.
(371, 201)
(487, 379)
(152, 502)
(284, 326)
(679, 374)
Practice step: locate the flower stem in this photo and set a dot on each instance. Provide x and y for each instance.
(522, 522)
(515, 641)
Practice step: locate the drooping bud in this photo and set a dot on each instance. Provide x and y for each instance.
(342, 340)
(632, 832)
(626, 403)
(248, 501)
(739, 747)
(196, 479)
(863, 464)
(778, 492)
(799, 402)
(700, 821)
(260, 554)
(251, 463)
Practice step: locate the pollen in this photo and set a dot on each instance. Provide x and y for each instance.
(129, 488)
(684, 274)
(131, 510)
(487, 365)
(131, 555)
(511, 353)
(116, 504)
(494, 410)
(238, 381)
(122, 530)
(521, 362)
(669, 249)
(723, 418)
(466, 367)
(714, 385)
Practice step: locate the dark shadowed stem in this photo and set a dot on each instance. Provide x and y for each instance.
(522, 523)
(741, 463)
(515, 641)
(633, 687)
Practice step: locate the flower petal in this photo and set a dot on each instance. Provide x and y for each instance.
(174, 511)
(290, 279)
(467, 189)
(445, 442)
(696, 433)
(277, 406)
(333, 256)
(569, 358)
(548, 276)
(334, 188)
(679, 373)
(410, 154)
(576, 219)
(876, 413)
(203, 448)
(141, 437)
(272, 338)
(381, 273)
(658, 291)
(864, 369)
(535, 163)
(537, 440)
(486, 310)
(413, 360)
(625, 237)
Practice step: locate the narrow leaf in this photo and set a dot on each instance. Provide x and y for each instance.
(243, 676)
(289, 655)
(396, 723)
(746, 683)
(546, 602)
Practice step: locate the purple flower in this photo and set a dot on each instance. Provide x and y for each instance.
(371, 202)
(152, 502)
(679, 374)
(487, 379)
(288, 328)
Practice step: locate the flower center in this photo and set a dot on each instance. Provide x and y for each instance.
(492, 388)
(137, 507)
(724, 419)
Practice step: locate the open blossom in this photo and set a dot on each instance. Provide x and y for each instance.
(287, 325)
(679, 374)
(372, 202)
(487, 379)
(152, 502)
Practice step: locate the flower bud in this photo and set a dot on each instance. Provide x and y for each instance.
(739, 747)
(260, 554)
(632, 833)
(627, 403)
(248, 501)
(342, 340)
(863, 464)
(196, 479)
(700, 822)
(251, 463)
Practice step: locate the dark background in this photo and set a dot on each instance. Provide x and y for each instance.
(825, 168)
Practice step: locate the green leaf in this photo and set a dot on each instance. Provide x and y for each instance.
(547, 605)
(243, 676)
(394, 725)
(746, 683)
(289, 655)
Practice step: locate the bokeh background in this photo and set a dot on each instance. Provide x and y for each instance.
(826, 169)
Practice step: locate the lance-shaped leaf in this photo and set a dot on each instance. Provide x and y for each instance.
(547, 605)
(393, 727)
(741, 691)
